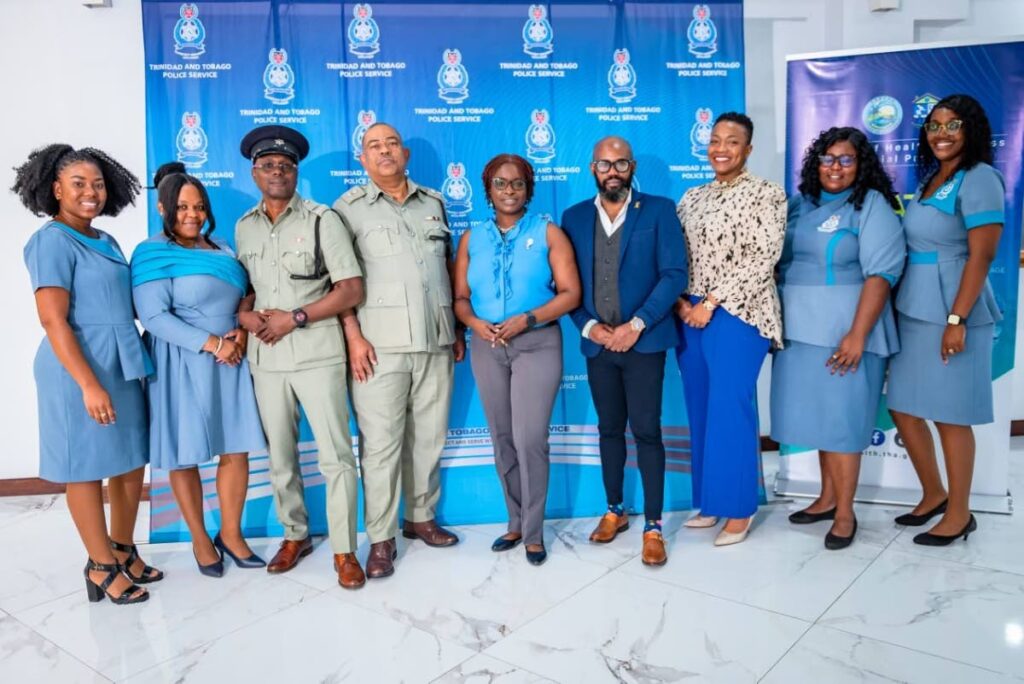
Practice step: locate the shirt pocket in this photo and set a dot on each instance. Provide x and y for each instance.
(297, 262)
(252, 260)
(384, 318)
(437, 236)
(381, 240)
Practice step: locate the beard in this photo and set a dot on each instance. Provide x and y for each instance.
(618, 194)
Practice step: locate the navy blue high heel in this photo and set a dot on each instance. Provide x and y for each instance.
(214, 569)
(253, 561)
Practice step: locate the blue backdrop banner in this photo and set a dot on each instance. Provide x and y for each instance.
(462, 81)
(888, 94)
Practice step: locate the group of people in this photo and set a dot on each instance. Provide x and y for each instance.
(370, 301)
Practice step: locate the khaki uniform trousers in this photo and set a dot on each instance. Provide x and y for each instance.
(322, 394)
(403, 424)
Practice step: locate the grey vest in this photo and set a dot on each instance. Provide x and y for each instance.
(606, 274)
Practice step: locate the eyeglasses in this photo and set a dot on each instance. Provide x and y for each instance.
(950, 126)
(845, 160)
(500, 184)
(620, 165)
(270, 167)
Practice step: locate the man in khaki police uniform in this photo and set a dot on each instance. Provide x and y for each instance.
(400, 346)
(304, 273)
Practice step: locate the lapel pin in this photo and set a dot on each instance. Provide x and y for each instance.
(529, 243)
(636, 205)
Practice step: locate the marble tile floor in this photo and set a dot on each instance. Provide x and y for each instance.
(777, 608)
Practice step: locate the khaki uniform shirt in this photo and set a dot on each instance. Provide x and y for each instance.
(404, 251)
(274, 251)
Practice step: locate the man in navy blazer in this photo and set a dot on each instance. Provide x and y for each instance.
(632, 263)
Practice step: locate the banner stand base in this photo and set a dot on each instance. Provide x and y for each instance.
(981, 503)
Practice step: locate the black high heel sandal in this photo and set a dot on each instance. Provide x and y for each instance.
(96, 592)
(148, 575)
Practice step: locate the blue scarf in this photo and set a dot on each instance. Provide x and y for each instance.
(156, 260)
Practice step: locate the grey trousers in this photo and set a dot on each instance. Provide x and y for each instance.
(518, 384)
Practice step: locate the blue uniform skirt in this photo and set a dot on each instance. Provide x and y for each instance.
(72, 446)
(812, 408)
(959, 393)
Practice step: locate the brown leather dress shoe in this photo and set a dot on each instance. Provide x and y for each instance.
(381, 561)
(350, 573)
(654, 548)
(609, 527)
(287, 557)
(430, 532)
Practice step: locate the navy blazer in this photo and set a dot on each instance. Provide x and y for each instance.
(652, 268)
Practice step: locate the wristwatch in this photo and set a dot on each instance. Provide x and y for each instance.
(300, 317)
(708, 306)
(637, 324)
(953, 319)
(531, 320)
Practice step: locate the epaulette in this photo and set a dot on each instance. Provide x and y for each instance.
(353, 194)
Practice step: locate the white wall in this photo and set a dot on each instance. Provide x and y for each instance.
(79, 78)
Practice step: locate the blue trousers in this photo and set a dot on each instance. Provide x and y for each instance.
(720, 364)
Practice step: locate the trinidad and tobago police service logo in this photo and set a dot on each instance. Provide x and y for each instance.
(452, 78)
(364, 120)
(923, 106)
(363, 32)
(702, 33)
(191, 141)
(189, 32)
(278, 78)
(700, 133)
(540, 137)
(457, 191)
(882, 114)
(538, 36)
(621, 78)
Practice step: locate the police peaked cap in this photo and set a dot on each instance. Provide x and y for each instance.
(275, 140)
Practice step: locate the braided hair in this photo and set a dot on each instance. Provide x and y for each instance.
(34, 179)
(977, 136)
(870, 173)
(168, 181)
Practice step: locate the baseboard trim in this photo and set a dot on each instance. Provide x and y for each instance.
(27, 486)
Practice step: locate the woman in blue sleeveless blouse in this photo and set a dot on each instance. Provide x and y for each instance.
(844, 251)
(187, 286)
(92, 413)
(947, 311)
(515, 276)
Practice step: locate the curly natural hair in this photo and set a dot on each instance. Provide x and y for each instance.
(977, 136)
(33, 180)
(524, 167)
(870, 173)
(168, 180)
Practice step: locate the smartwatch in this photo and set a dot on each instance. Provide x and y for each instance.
(300, 317)
(531, 320)
(953, 319)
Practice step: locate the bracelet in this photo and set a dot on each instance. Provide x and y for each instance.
(220, 344)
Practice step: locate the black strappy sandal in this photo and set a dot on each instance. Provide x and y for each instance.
(148, 574)
(96, 592)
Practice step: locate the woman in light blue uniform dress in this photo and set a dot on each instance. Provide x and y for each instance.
(92, 413)
(187, 286)
(947, 311)
(844, 251)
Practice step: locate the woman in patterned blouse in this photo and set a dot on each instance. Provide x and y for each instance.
(729, 317)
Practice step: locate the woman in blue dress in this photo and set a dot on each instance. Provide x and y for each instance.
(187, 286)
(844, 251)
(947, 311)
(92, 413)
